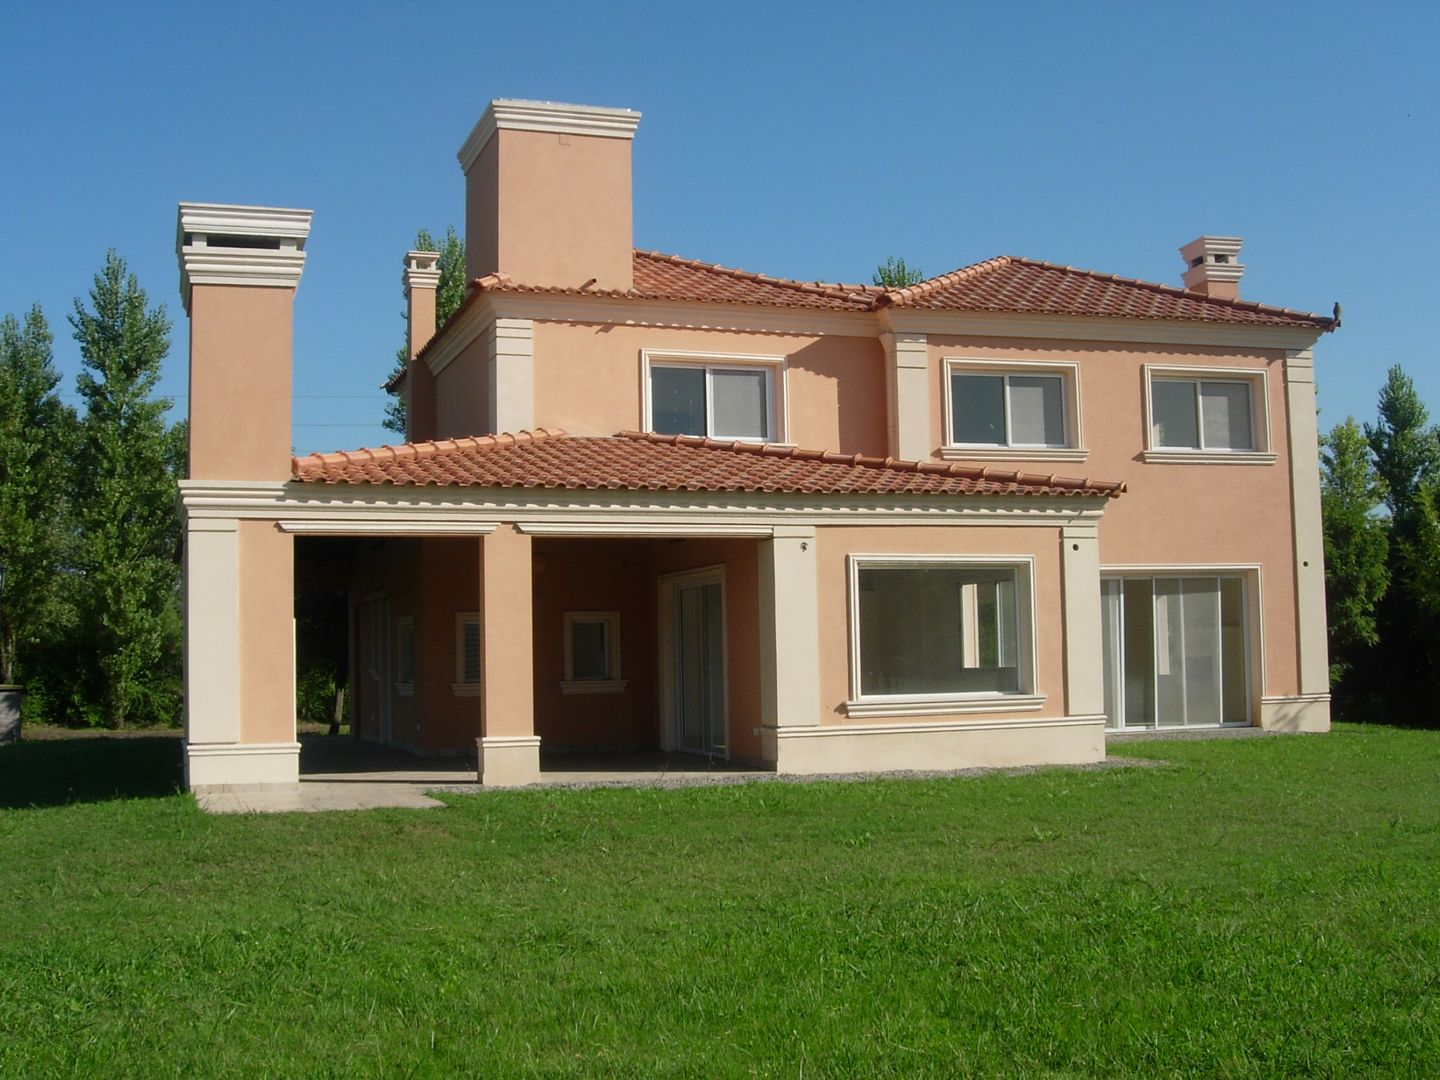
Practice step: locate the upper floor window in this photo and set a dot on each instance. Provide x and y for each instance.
(721, 397)
(1002, 409)
(1206, 415)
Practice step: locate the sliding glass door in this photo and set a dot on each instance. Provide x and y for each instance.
(1175, 651)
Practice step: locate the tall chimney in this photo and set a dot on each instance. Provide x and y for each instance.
(422, 279)
(547, 194)
(1212, 266)
(239, 267)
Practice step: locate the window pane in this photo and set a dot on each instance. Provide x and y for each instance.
(1172, 405)
(938, 630)
(1138, 611)
(740, 404)
(1233, 682)
(1202, 651)
(589, 657)
(470, 652)
(1037, 410)
(1169, 652)
(977, 403)
(1225, 410)
(677, 400)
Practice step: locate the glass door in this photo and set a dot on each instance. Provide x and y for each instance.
(700, 668)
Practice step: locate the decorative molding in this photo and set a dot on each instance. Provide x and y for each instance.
(272, 256)
(1003, 703)
(1006, 453)
(593, 686)
(930, 727)
(509, 114)
(641, 529)
(1207, 457)
(511, 362)
(344, 527)
(422, 270)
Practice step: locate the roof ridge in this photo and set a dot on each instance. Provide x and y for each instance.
(425, 449)
(831, 457)
(943, 281)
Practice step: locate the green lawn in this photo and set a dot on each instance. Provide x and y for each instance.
(1254, 907)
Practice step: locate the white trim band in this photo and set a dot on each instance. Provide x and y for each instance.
(546, 116)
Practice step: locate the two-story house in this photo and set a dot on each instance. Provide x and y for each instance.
(649, 502)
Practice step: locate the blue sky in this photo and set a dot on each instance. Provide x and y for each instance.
(809, 141)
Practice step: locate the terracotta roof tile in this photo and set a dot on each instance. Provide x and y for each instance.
(1011, 284)
(635, 461)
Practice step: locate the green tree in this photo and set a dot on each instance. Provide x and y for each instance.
(1357, 544)
(449, 295)
(125, 501)
(894, 274)
(36, 441)
(1406, 447)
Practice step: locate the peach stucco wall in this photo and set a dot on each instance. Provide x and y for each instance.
(240, 355)
(267, 640)
(1182, 515)
(588, 380)
(462, 394)
(551, 209)
(834, 544)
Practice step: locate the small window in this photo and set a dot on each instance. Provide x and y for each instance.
(1023, 409)
(592, 653)
(467, 653)
(405, 655)
(721, 401)
(1201, 414)
(941, 628)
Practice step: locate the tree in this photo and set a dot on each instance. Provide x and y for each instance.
(1357, 544)
(125, 501)
(36, 433)
(1406, 447)
(894, 274)
(449, 295)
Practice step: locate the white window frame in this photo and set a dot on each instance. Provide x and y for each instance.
(1258, 381)
(405, 631)
(612, 683)
(463, 687)
(1026, 698)
(1069, 374)
(776, 398)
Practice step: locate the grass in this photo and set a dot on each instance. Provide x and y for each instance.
(1254, 907)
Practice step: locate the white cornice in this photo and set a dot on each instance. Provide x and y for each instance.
(548, 116)
(272, 254)
(422, 270)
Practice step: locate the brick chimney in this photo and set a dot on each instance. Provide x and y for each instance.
(239, 267)
(547, 194)
(422, 279)
(1212, 266)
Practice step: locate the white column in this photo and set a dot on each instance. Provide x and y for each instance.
(907, 389)
(512, 375)
(212, 631)
(1304, 452)
(789, 631)
(1084, 656)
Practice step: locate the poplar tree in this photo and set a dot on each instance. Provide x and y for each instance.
(36, 433)
(1406, 447)
(125, 503)
(1357, 544)
(449, 295)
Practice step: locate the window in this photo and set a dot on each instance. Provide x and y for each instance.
(940, 629)
(732, 399)
(1201, 415)
(405, 656)
(1002, 409)
(467, 654)
(592, 653)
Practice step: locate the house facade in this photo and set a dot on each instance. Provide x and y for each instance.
(647, 502)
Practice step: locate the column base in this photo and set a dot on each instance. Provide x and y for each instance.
(228, 766)
(509, 760)
(1300, 713)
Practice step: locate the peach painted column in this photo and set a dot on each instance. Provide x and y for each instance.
(789, 635)
(422, 279)
(509, 748)
(239, 268)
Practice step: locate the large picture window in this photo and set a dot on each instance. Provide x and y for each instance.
(728, 398)
(938, 628)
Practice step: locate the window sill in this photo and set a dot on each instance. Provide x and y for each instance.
(1207, 457)
(465, 689)
(593, 686)
(1011, 453)
(996, 703)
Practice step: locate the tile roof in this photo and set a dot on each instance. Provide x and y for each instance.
(636, 461)
(1012, 284)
